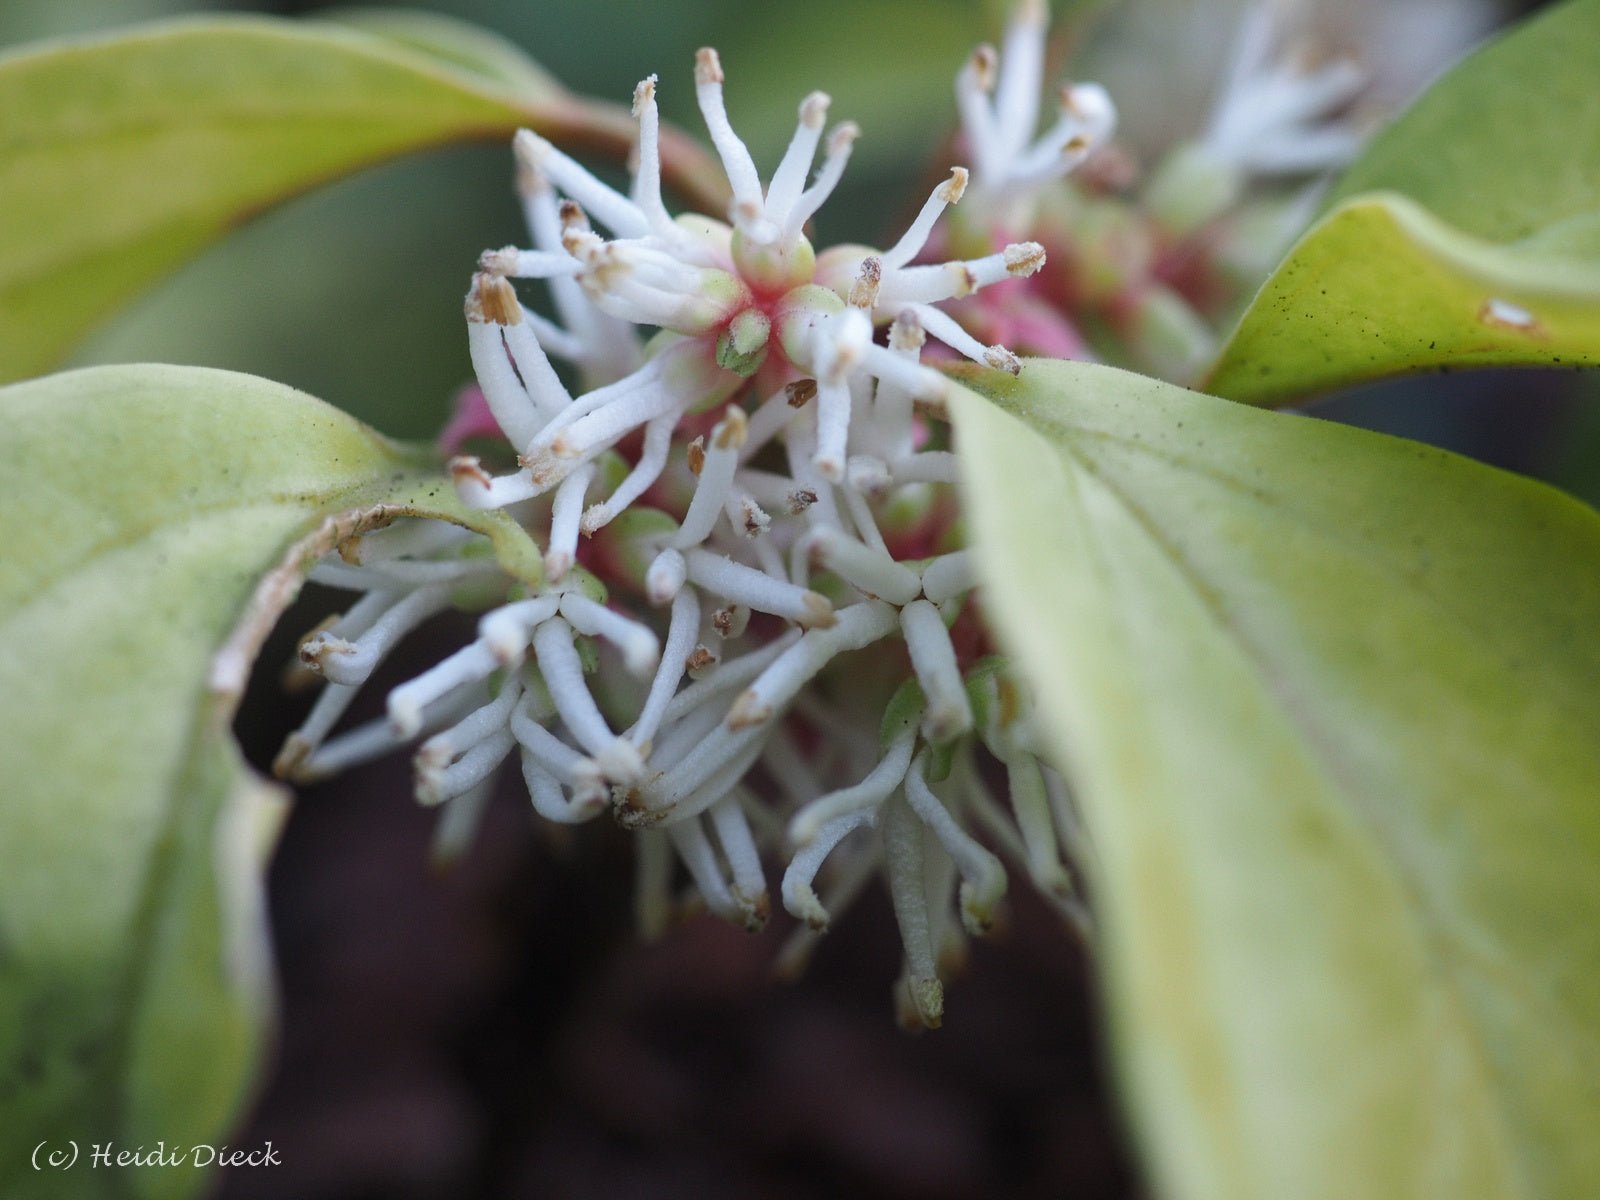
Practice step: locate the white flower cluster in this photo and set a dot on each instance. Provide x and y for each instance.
(804, 525)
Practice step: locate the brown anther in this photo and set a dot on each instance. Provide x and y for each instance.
(722, 621)
(1077, 145)
(800, 392)
(572, 216)
(707, 66)
(731, 431)
(952, 189)
(1023, 258)
(699, 659)
(697, 456)
(801, 499)
(498, 299)
(643, 93)
(465, 467)
(983, 62)
(864, 291)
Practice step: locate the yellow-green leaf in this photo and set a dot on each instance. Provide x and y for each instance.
(1481, 201)
(1381, 288)
(123, 156)
(144, 506)
(1330, 702)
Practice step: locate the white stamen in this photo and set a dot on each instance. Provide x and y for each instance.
(855, 627)
(840, 142)
(716, 477)
(647, 178)
(947, 576)
(665, 576)
(736, 160)
(351, 663)
(506, 631)
(652, 461)
(930, 466)
(869, 794)
(640, 649)
(933, 658)
(790, 178)
(798, 896)
(621, 215)
(681, 631)
(739, 848)
(694, 848)
(904, 863)
(563, 675)
(872, 571)
(1016, 100)
(436, 785)
(466, 733)
(722, 576)
(983, 878)
(406, 702)
(916, 237)
(566, 511)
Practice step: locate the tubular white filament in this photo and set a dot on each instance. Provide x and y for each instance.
(681, 630)
(916, 237)
(949, 575)
(406, 702)
(466, 733)
(790, 178)
(507, 630)
(904, 863)
(351, 663)
(872, 571)
(619, 214)
(933, 658)
(869, 794)
(840, 143)
(983, 878)
(857, 626)
(744, 860)
(565, 513)
(513, 408)
(716, 477)
(640, 649)
(563, 675)
(798, 895)
(436, 785)
(694, 848)
(745, 585)
(652, 461)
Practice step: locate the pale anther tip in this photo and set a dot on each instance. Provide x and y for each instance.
(707, 66)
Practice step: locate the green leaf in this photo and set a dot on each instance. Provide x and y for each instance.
(1381, 288)
(1487, 189)
(1329, 701)
(1508, 142)
(144, 505)
(142, 148)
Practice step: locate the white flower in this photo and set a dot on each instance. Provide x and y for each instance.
(786, 548)
(1278, 115)
(998, 98)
